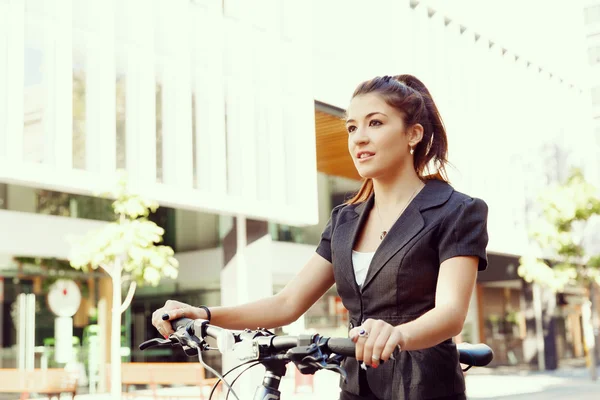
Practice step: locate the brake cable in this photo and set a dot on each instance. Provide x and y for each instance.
(214, 388)
(237, 377)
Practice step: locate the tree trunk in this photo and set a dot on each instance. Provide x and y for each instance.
(115, 336)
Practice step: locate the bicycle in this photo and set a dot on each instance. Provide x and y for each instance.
(309, 353)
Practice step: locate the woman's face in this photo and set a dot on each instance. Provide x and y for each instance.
(377, 138)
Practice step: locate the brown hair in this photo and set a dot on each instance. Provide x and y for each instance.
(410, 96)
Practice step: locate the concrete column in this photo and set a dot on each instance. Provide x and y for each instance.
(241, 283)
(539, 345)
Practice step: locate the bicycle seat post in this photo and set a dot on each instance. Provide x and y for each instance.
(270, 387)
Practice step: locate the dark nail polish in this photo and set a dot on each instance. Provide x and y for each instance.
(165, 316)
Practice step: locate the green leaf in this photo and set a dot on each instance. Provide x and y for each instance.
(131, 238)
(594, 262)
(564, 210)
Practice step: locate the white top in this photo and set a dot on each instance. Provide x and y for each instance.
(361, 262)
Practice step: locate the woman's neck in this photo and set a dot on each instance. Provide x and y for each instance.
(389, 193)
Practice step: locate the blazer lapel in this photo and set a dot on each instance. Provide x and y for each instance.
(346, 236)
(404, 229)
(409, 224)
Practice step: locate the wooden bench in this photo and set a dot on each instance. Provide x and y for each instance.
(51, 382)
(166, 374)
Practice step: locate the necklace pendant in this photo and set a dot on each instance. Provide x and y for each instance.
(383, 233)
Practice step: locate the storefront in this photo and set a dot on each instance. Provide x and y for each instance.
(512, 311)
(36, 280)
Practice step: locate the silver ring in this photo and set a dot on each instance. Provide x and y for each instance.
(363, 333)
(375, 358)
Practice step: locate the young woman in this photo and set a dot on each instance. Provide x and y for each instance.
(404, 253)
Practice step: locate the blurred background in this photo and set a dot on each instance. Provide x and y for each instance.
(229, 114)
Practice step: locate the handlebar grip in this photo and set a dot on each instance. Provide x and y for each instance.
(282, 343)
(179, 323)
(476, 355)
(342, 346)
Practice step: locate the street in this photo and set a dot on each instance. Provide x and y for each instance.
(561, 384)
(570, 383)
(482, 383)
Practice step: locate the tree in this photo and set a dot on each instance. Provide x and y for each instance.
(127, 250)
(562, 235)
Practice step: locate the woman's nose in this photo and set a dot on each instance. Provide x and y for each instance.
(360, 137)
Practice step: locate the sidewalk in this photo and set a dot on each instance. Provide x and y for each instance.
(569, 382)
(326, 385)
(482, 383)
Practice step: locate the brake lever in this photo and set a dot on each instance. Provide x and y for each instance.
(156, 342)
(176, 339)
(310, 364)
(310, 359)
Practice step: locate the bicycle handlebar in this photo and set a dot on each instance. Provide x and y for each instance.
(476, 355)
(277, 344)
(309, 353)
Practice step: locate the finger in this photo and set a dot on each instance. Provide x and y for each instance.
(161, 329)
(360, 340)
(380, 343)
(174, 314)
(392, 344)
(166, 328)
(168, 316)
(155, 318)
(353, 334)
(157, 322)
(365, 326)
(376, 331)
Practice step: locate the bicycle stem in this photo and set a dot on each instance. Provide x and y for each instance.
(269, 390)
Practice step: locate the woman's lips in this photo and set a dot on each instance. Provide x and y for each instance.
(364, 156)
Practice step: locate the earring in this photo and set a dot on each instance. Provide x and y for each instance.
(412, 150)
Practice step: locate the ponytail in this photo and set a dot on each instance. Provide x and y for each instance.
(434, 145)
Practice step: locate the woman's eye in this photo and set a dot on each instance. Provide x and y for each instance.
(375, 122)
(351, 128)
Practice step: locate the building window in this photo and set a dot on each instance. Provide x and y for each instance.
(72, 205)
(37, 69)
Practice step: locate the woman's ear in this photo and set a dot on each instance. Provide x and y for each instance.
(415, 134)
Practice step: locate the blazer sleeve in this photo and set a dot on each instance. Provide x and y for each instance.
(464, 232)
(324, 247)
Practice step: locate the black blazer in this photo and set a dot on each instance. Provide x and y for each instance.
(400, 285)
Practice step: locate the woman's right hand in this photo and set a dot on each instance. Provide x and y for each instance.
(161, 318)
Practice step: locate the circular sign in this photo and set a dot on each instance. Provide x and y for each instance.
(64, 298)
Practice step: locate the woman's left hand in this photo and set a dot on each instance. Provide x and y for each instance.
(375, 340)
